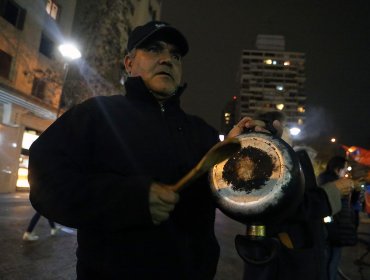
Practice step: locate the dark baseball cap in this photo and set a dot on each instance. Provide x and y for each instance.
(157, 30)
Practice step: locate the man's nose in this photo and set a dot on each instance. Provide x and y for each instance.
(165, 56)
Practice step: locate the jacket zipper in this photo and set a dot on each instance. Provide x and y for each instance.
(161, 105)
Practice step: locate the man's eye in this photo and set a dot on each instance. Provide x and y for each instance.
(154, 49)
(176, 56)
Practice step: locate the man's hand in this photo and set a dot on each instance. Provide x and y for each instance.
(256, 125)
(344, 185)
(162, 201)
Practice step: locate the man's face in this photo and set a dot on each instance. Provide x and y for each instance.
(159, 65)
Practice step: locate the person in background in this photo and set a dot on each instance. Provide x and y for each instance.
(334, 175)
(29, 234)
(302, 245)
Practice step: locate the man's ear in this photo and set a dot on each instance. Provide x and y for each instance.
(127, 61)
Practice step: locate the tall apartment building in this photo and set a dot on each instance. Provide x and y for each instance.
(228, 117)
(273, 79)
(32, 74)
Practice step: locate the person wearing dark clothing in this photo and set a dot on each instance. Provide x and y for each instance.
(356, 204)
(299, 237)
(29, 235)
(104, 167)
(334, 172)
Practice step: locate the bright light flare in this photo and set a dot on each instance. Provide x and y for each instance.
(69, 51)
(280, 106)
(295, 131)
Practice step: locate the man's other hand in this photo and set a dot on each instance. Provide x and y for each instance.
(248, 123)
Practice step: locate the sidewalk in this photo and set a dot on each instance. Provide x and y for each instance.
(53, 257)
(350, 264)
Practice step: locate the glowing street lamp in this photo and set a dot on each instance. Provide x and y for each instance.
(69, 52)
(294, 131)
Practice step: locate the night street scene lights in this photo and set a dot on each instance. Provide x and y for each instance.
(69, 52)
(294, 131)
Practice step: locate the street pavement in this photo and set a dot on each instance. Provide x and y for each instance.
(53, 257)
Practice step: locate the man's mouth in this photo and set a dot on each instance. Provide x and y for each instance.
(165, 74)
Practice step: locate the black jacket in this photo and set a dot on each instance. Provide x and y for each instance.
(92, 168)
(305, 229)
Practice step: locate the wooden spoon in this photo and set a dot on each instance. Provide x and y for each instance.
(215, 155)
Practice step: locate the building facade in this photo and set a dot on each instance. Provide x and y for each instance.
(273, 79)
(228, 117)
(33, 72)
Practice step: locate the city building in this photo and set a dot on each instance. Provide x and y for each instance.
(33, 72)
(228, 117)
(273, 79)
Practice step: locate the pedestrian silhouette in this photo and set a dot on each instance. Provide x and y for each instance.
(29, 235)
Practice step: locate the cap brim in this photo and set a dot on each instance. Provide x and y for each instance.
(167, 34)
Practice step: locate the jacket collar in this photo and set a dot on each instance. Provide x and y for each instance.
(136, 90)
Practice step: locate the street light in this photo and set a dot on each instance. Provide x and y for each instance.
(69, 52)
(294, 131)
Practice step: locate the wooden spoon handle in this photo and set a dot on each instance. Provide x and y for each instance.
(187, 179)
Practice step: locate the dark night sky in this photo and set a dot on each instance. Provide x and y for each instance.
(334, 34)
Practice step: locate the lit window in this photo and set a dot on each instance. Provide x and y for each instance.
(28, 138)
(280, 106)
(286, 63)
(301, 109)
(300, 121)
(279, 87)
(52, 9)
(22, 181)
(268, 61)
(274, 62)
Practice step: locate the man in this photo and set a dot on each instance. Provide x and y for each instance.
(105, 165)
(334, 173)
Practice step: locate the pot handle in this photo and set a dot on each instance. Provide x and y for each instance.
(256, 251)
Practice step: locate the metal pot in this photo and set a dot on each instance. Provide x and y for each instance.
(261, 183)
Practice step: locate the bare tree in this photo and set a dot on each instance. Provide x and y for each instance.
(102, 27)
